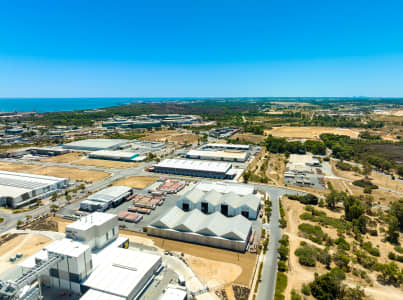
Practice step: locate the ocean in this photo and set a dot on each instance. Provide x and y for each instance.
(66, 104)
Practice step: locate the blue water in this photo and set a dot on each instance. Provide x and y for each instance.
(66, 104)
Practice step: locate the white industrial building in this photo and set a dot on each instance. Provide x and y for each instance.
(114, 155)
(187, 167)
(213, 230)
(18, 189)
(225, 187)
(174, 293)
(229, 204)
(218, 146)
(222, 155)
(96, 144)
(91, 261)
(106, 198)
(95, 230)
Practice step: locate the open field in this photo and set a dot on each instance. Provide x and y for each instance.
(137, 182)
(64, 158)
(14, 167)
(246, 261)
(74, 174)
(248, 137)
(171, 136)
(27, 244)
(110, 164)
(309, 132)
(213, 273)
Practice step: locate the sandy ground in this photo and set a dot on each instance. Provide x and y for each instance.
(396, 113)
(27, 244)
(248, 137)
(309, 132)
(137, 182)
(246, 261)
(74, 174)
(171, 136)
(105, 163)
(14, 167)
(213, 273)
(64, 158)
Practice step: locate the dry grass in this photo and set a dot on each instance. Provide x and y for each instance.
(137, 182)
(74, 174)
(246, 261)
(64, 158)
(309, 132)
(110, 164)
(249, 137)
(14, 167)
(173, 136)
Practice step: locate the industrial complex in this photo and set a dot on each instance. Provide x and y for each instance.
(18, 189)
(107, 198)
(96, 144)
(215, 230)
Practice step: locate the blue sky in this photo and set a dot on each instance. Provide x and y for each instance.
(201, 48)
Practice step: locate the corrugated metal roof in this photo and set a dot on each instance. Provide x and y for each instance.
(196, 165)
(97, 295)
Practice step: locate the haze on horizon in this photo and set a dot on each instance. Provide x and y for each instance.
(201, 48)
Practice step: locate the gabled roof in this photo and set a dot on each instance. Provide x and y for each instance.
(195, 195)
(212, 197)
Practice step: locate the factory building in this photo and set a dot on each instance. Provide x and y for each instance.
(226, 147)
(114, 155)
(106, 198)
(213, 230)
(194, 168)
(92, 261)
(96, 144)
(18, 189)
(132, 123)
(229, 204)
(240, 189)
(95, 230)
(49, 151)
(222, 155)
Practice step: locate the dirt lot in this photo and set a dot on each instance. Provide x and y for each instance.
(137, 182)
(246, 261)
(13, 167)
(171, 136)
(309, 132)
(249, 137)
(110, 164)
(64, 158)
(27, 244)
(74, 174)
(213, 273)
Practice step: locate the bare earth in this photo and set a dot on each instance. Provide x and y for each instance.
(110, 164)
(171, 136)
(213, 273)
(27, 244)
(249, 137)
(309, 132)
(64, 158)
(14, 167)
(137, 182)
(74, 174)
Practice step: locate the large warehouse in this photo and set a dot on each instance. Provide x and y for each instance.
(213, 230)
(225, 187)
(229, 204)
(18, 189)
(114, 155)
(195, 168)
(96, 144)
(222, 155)
(218, 146)
(106, 198)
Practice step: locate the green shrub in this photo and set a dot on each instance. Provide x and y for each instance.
(281, 285)
(314, 233)
(306, 289)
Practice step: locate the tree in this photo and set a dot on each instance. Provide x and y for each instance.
(397, 211)
(328, 286)
(392, 235)
(246, 176)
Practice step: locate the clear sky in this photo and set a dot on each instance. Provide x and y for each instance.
(147, 48)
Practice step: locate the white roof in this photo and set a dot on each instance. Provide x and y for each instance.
(110, 194)
(229, 146)
(123, 272)
(215, 224)
(174, 293)
(98, 295)
(94, 219)
(96, 144)
(111, 153)
(67, 247)
(223, 187)
(197, 165)
(13, 184)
